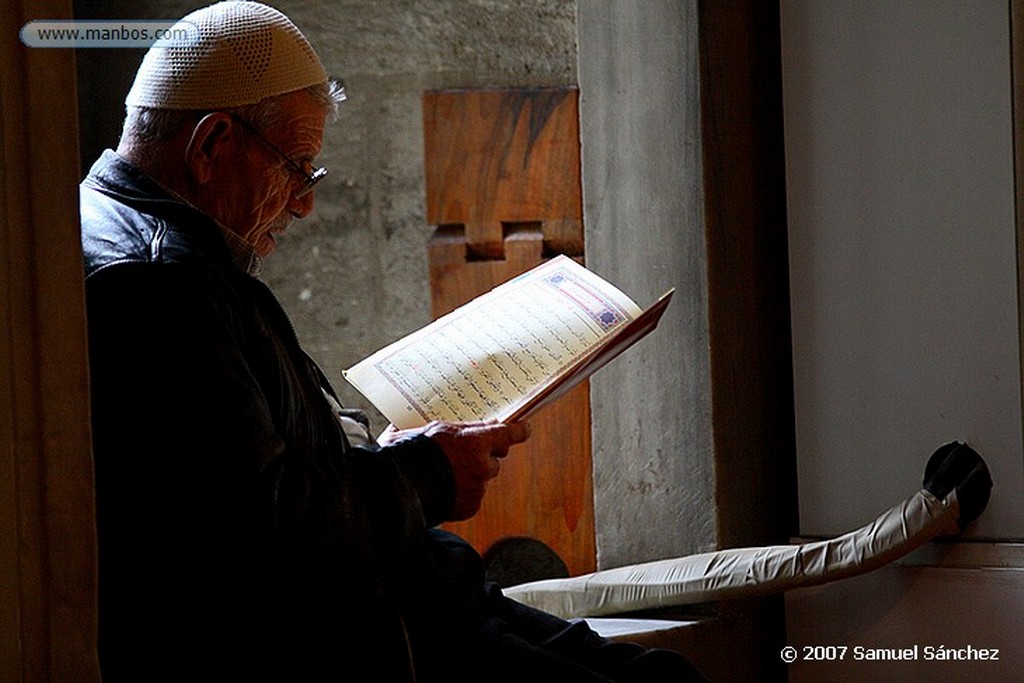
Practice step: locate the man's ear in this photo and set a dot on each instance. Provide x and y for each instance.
(209, 140)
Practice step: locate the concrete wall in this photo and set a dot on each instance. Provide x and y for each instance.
(643, 214)
(353, 276)
(356, 277)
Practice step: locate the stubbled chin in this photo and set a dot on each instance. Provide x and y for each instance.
(265, 245)
(266, 240)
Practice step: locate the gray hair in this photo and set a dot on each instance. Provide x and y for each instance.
(144, 126)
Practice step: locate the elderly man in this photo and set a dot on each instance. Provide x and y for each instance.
(249, 528)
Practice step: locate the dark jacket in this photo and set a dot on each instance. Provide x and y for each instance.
(241, 537)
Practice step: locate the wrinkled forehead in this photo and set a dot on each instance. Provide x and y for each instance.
(301, 124)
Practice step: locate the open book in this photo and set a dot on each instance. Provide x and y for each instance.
(507, 353)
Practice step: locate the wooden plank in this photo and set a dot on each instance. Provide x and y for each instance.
(509, 156)
(544, 490)
(503, 188)
(47, 536)
(748, 286)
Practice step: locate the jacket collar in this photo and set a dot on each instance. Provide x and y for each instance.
(116, 177)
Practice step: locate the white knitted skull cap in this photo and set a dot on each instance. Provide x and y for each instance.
(242, 53)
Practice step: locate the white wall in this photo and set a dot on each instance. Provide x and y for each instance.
(903, 251)
(904, 283)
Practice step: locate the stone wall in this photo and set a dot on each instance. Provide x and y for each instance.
(355, 277)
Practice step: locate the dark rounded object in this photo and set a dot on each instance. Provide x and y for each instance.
(958, 466)
(521, 559)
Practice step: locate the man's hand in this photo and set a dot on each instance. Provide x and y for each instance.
(474, 449)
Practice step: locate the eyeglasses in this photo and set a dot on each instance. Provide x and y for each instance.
(313, 176)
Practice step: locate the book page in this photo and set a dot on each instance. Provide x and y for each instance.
(595, 359)
(485, 359)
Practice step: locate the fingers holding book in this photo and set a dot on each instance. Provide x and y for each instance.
(475, 450)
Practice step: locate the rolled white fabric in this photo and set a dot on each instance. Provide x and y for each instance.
(746, 572)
